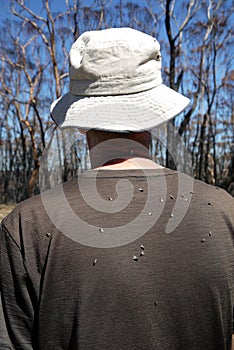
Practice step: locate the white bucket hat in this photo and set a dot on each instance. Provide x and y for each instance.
(116, 84)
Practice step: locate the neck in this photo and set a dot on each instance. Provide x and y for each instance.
(131, 163)
(112, 158)
(111, 150)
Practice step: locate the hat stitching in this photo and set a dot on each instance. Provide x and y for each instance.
(141, 100)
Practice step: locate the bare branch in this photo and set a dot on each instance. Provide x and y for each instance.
(27, 9)
(63, 76)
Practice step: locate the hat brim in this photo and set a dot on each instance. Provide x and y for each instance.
(134, 112)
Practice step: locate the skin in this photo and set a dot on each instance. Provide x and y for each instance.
(119, 152)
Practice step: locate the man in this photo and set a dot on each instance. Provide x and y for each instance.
(133, 255)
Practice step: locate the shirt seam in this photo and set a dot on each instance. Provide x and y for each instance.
(6, 232)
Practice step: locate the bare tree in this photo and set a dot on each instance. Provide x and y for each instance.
(196, 38)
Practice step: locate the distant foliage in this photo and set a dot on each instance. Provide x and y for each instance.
(197, 48)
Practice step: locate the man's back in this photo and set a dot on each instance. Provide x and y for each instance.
(160, 291)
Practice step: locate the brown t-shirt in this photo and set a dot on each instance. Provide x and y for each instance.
(145, 263)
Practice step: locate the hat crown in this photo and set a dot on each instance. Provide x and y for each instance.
(114, 61)
(116, 84)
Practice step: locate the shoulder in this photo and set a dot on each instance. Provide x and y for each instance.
(204, 191)
(205, 203)
(214, 205)
(25, 215)
(213, 195)
(31, 217)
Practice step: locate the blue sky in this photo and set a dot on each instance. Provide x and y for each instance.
(60, 5)
(57, 5)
